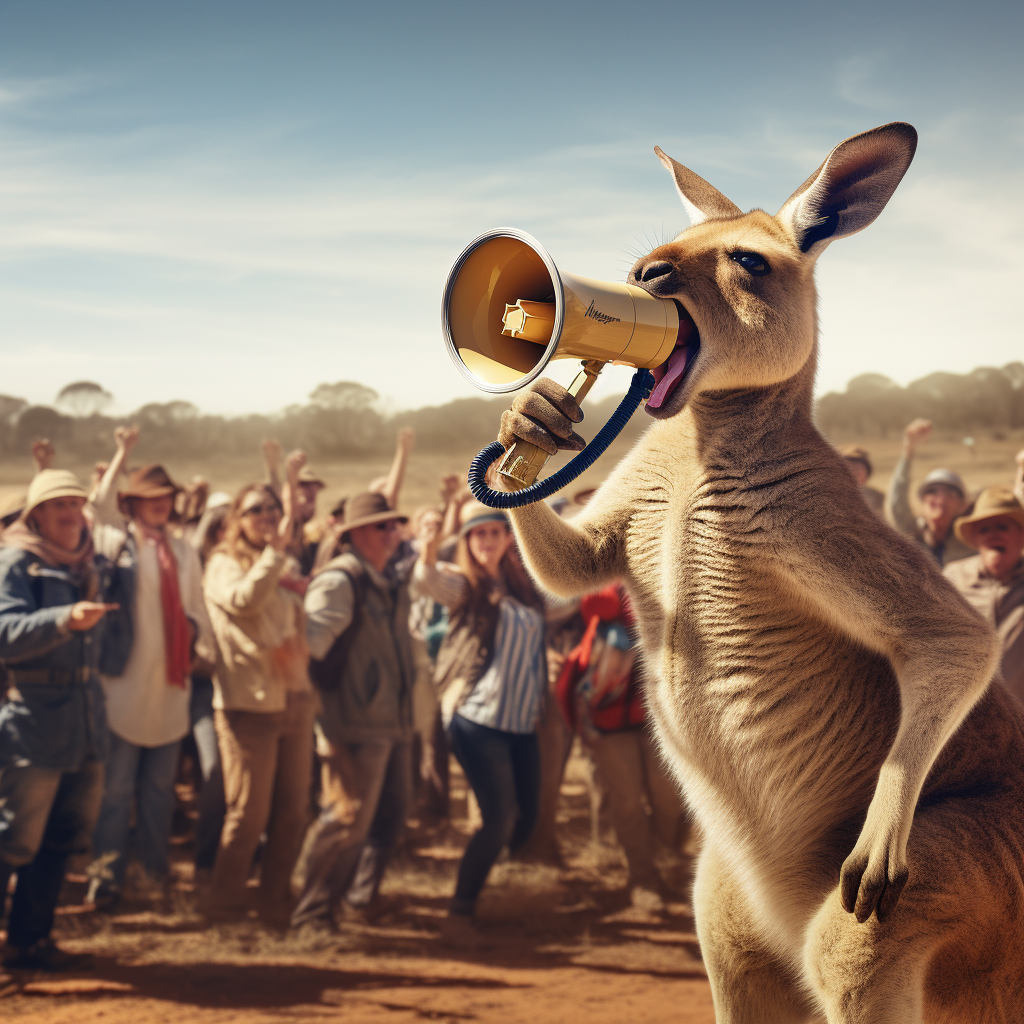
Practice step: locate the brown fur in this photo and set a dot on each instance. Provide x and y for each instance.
(811, 673)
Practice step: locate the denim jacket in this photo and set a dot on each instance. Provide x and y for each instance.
(54, 715)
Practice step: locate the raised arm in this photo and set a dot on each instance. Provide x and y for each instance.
(105, 498)
(271, 450)
(897, 501)
(392, 486)
(43, 454)
(888, 595)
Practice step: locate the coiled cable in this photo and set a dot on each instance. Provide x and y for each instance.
(639, 389)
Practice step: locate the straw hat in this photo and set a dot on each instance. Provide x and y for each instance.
(52, 483)
(992, 502)
(367, 509)
(947, 478)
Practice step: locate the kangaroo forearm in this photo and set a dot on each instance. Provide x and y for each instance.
(568, 561)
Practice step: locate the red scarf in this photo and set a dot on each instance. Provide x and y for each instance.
(177, 631)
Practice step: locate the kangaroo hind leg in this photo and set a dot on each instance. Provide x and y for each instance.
(750, 984)
(867, 973)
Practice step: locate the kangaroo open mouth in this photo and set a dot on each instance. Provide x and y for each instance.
(673, 371)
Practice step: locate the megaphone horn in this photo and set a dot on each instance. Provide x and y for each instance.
(508, 311)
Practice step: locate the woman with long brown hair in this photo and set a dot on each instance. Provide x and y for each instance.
(492, 677)
(263, 700)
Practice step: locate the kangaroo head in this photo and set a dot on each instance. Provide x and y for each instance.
(746, 280)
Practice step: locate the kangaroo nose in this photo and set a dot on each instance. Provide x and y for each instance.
(659, 268)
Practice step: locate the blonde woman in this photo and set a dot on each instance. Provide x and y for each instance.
(263, 700)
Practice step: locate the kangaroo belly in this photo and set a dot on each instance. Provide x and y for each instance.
(774, 723)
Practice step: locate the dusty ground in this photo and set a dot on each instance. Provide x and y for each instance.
(562, 944)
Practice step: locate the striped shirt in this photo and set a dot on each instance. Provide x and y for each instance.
(510, 693)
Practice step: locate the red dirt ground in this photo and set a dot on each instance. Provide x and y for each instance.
(562, 944)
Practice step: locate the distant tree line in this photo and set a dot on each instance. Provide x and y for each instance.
(343, 420)
(985, 400)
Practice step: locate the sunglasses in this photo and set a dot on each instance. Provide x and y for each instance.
(388, 524)
(259, 510)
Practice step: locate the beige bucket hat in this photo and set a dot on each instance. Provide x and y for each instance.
(52, 483)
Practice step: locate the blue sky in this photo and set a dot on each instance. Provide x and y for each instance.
(230, 203)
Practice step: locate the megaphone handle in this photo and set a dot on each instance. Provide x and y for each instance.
(639, 389)
(524, 461)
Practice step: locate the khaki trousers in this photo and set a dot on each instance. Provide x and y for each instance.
(630, 770)
(267, 762)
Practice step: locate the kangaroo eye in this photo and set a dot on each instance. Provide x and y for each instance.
(751, 263)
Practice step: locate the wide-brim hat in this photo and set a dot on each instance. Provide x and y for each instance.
(52, 483)
(947, 478)
(307, 476)
(367, 509)
(992, 502)
(149, 482)
(474, 514)
(855, 453)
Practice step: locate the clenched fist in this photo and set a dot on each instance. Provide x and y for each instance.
(543, 415)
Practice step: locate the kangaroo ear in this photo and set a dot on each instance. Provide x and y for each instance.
(850, 189)
(700, 199)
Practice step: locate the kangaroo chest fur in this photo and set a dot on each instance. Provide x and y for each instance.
(752, 694)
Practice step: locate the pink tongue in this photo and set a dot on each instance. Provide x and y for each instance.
(675, 370)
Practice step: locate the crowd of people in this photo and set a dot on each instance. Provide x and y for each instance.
(348, 655)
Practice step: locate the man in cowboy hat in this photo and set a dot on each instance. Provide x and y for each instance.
(992, 581)
(943, 497)
(148, 693)
(363, 666)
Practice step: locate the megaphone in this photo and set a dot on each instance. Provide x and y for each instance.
(508, 311)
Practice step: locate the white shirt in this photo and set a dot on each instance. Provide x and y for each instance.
(142, 707)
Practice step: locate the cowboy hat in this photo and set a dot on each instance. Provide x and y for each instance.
(367, 509)
(992, 502)
(149, 482)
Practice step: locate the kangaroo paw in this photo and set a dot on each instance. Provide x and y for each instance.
(872, 879)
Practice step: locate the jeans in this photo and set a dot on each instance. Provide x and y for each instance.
(358, 832)
(503, 769)
(145, 776)
(267, 758)
(212, 806)
(46, 815)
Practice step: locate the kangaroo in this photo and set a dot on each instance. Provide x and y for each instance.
(819, 690)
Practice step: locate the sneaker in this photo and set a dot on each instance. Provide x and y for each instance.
(45, 955)
(381, 907)
(102, 897)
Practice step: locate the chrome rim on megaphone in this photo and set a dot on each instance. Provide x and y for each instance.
(505, 276)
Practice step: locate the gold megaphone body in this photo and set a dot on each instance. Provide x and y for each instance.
(508, 311)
